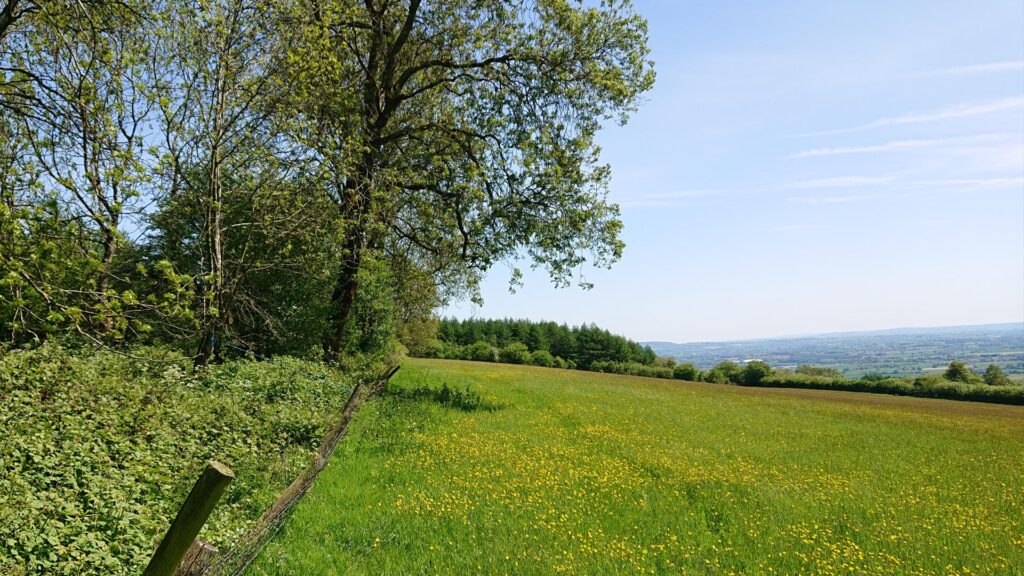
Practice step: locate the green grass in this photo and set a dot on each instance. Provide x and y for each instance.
(542, 471)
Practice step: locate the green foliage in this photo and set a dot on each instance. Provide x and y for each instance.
(686, 371)
(581, 345)
(371, 330)
(542, 358)
(959, 372)
(754, 372)
(482, 352)
(994, 376)
(725, 372)
(922, 386)
(100, 449)
(515, 353)
(818, 371)
(632, 369)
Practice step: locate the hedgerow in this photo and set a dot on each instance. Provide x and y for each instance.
(924, 387)
(99, 449)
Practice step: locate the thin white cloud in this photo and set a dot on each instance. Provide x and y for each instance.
(825, 200)
(898, 146)
(973, 183)
(978, 69)
(837, 182)
(958, 111)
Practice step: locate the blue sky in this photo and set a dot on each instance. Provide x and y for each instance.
(808, 167)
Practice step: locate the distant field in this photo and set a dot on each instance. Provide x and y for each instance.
(901, 352)
(562, 472)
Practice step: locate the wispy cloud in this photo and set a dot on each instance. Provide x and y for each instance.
(899, 146)
(978, 69)
(958, 111)
(825, 200)
(837, 182)
(973, 183)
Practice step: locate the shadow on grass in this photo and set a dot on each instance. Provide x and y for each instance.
(467, 400)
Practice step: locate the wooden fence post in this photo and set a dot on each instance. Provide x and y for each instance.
(190, 519)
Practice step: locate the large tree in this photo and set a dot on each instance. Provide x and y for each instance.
(238, 212)
(463, 130)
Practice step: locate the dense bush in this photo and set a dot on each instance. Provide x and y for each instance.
(754, 372)
(481, 352)
(819, 371)
(725, 372)
(542, 358)
(994, 376)
(686, 371)
(99, 450)
(924, 386)
(515, 353)
(632, 369)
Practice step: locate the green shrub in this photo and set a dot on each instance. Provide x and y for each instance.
(99, 450)
(754, 372)
(959, 372)
(686, 371)
(818, 371)
(994, 376)
(515, 353)
(481, 352)
(542, 358)
(725, 372)
(924, 386)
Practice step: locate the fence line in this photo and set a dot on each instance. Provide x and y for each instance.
(245, 551)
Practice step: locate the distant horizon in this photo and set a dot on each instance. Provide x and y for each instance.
(843, 332)
(754, 338)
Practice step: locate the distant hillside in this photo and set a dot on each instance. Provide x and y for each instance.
(899, 351)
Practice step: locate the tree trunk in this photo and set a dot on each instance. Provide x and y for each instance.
(213, 319)
(344, 295)
(109, 250)
(7, 17)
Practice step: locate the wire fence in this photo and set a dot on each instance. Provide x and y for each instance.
(235, 561)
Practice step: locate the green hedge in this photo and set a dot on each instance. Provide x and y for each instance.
(924, 387)
(98, 450)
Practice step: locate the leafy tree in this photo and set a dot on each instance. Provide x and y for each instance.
(724, 372)
(664, 362)
(754, 372)
(686, 371)
(515, 353)
(958, 372)
(542, 358)
(819, 371)
(464, 131)
(994, 376)
(482, 352)
(240, 211)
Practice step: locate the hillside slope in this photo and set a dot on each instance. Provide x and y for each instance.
(495, 469)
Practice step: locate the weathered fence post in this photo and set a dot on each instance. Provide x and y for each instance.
(190, 519)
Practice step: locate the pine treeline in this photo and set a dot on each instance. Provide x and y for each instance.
(584, 347)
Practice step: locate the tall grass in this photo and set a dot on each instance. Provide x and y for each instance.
(534, 471)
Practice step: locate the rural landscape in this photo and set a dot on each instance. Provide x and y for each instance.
(263, 268)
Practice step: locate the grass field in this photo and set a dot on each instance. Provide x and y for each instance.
(543, 471)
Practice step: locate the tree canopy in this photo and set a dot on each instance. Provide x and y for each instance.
(237, 170)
